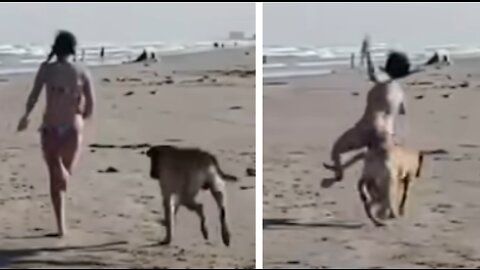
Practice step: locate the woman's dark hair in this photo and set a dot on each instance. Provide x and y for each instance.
(397, 65)
(64, 45)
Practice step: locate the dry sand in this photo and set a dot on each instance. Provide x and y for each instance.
(114, 217)
(306, 226)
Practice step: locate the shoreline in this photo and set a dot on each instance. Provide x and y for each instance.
(217, 58)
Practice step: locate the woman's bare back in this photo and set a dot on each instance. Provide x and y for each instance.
(384, 102)
(69, 95)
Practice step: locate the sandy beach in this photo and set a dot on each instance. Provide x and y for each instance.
(114, 216)
(307, 226)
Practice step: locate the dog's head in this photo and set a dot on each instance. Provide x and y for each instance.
(419, 164)
(156, 153)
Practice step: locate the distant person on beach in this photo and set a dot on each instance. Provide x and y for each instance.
(153, 57)
(69, 102)
(142, 57)
(352, 61)
(440, 58)
(102, 53)
(215, 45)
(363, 50)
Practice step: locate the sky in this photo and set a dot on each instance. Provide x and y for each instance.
(408, 24)
(124, 22)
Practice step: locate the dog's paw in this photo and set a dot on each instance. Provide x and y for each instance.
(205, 233)
(328, 182)
(165, 242)
(226, 238)
(379, 225)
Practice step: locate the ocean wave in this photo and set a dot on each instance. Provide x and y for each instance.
(309, 57)
(292, 73)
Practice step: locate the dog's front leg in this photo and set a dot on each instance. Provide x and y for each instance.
(169, 210)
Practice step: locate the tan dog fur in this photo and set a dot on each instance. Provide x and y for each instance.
(182, 174)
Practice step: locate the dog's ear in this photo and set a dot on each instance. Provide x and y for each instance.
(420, 164)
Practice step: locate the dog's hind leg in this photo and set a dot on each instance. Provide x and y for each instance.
(198, 208)
(218, 193)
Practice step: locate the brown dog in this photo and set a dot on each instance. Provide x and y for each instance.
(182, 173)
(387, 176)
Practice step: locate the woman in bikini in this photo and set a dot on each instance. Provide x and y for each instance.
(70, 101)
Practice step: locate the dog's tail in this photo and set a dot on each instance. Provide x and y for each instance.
(225, 176)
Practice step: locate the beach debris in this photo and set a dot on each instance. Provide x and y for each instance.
(250, 172)
(467, 145)
(129, 93)
(125, 146)
(235, 108)
(173, 140)
(109, 169)
(168, 80)
(464, 84)
(446, 95)
(106, 80)
(419, 97)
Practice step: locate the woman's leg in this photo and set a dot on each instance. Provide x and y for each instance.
(352, 139)
(58, 177)
(70, 151)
